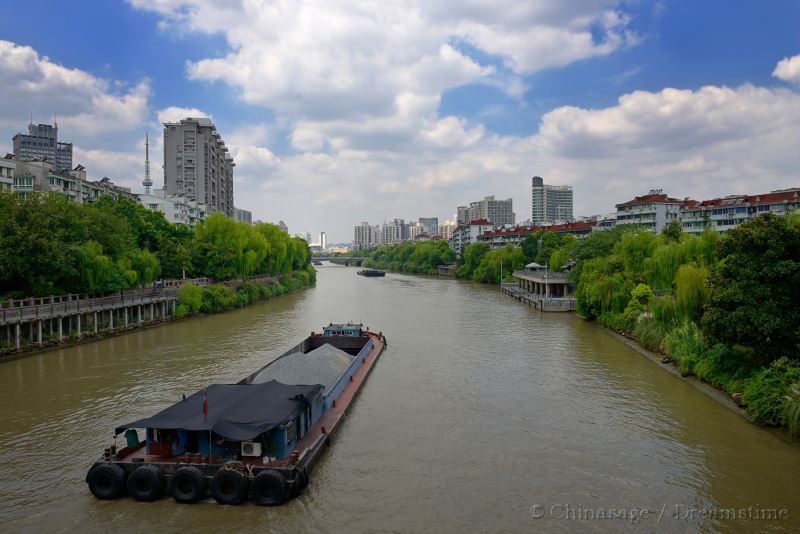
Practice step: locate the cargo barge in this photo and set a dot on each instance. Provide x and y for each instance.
(371, 272)
(255, 440)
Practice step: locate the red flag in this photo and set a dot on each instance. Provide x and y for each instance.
(205, 405)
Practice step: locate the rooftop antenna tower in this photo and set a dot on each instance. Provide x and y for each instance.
(147, 182)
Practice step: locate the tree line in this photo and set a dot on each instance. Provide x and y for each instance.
(50, 245)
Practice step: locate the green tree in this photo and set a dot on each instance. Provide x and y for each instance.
(673, 231)
(471, 259)
(753, 290)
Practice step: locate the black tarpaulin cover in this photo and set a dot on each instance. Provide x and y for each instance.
(235, 411)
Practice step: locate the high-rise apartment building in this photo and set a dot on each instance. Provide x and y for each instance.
(197, 164)
(244, 216)
(462, 215)
(498, 212)
(446, 230)
(41, 143)
(550, 204)
(394, 232)
(430, 225)
(366, 236)
(323, 240)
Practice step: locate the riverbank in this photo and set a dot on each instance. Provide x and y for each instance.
(712, 392)
(215, 299)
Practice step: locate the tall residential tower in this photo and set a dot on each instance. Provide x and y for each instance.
(550, 203)
(197, 164)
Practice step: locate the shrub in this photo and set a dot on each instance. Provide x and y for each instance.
(686, 346)
(725, 367)
(792, 413)
(217, 298)
(650, 333)
(615, 321)
(766, 393)
(664, 312)
(190, 296)
(181, 311)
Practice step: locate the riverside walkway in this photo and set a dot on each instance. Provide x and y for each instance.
(36, 322)
(50, 320)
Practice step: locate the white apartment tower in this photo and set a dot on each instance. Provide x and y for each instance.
(550, 204)
(197, 164)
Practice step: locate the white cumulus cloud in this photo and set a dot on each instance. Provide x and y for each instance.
(788, 69)
(85, 104)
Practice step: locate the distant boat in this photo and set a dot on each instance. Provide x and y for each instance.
(316, 262)
(371, 272)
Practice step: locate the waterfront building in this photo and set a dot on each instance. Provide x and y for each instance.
(7, 166)
(41, 143)
(430, 225)
(652, 211)
(544, 289)
(446, 230)
(722, 214)
(550, 204)
(242, 215)
(177, 209)
(197, 164)
(323, 240)
(40, 177)
(366, 236)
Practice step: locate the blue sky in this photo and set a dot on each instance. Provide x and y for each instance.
(373, 111)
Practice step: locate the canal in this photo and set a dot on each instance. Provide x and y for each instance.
(482, 415)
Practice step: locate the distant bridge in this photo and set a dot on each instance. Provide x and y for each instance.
(340, 260)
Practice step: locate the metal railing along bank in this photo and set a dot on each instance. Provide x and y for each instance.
(15, 310)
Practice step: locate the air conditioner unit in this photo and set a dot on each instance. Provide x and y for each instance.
(251, 448)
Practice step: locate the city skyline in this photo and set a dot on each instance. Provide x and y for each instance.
(611, 98)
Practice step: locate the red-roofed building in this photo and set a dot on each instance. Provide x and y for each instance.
(653, 211)
(722, 214)
(501, 237)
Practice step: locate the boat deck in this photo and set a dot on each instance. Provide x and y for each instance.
(329, 422)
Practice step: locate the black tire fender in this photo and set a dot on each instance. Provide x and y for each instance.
(229, 487)
(268, 488)
(145, 483)
(106, 480)
(300, 480)
(188, 485)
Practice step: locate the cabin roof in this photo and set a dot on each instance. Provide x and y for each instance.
(235, 411)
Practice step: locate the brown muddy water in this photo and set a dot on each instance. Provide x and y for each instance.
(483, 415)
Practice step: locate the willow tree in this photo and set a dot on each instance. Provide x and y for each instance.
(97, 270)
(691, 291)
